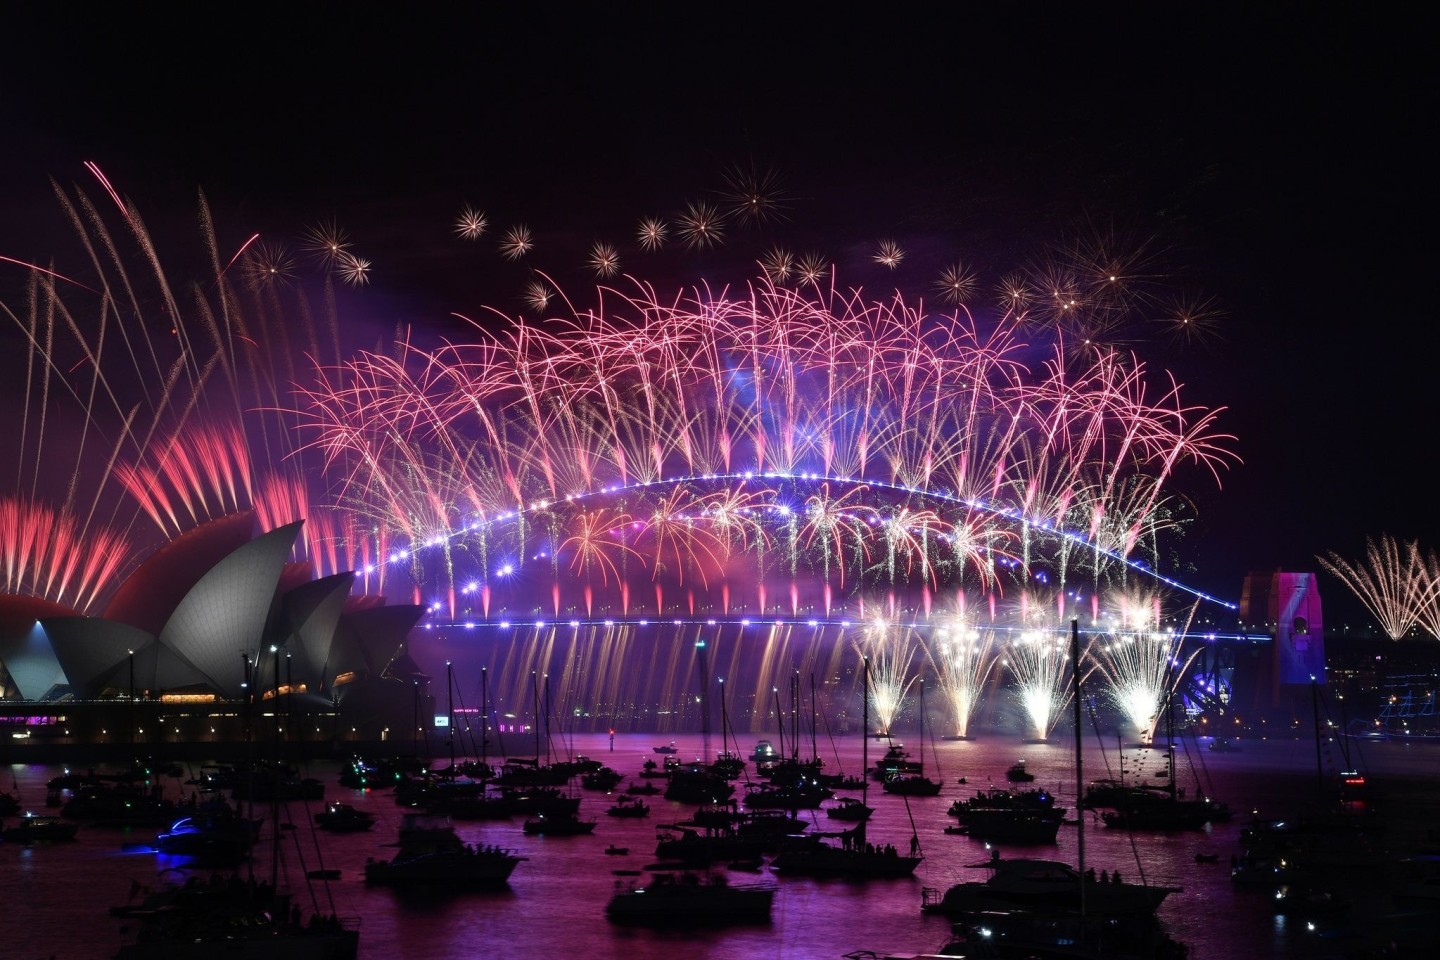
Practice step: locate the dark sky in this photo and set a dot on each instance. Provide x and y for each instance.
(1279, 158)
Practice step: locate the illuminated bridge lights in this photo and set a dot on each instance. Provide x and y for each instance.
(1008, 512)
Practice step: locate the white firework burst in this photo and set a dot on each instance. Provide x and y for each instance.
(516, 243)
(812, 268)
(778, 264)
(652, 233)
(325, 242)
(538, 295)
(471, 224)
(889, 254)
(604, 260)
(353, 270)
(701, 226)
(956, 284)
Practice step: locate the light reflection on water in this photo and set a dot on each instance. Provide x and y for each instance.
(58, 896)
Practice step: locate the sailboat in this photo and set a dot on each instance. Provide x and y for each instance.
(1164, 809)
(855, 857)
(914, 784)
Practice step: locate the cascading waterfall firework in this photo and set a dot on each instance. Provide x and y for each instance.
(1038, 662)
(891, 651)
(1141, 670)
(963, 658)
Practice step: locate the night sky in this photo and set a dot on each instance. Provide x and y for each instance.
(1277, 161)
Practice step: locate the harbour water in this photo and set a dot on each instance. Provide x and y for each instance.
(58, 896)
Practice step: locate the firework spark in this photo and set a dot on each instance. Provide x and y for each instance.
(891, 651)
(604, 260)
(326, 243)
(538, 295)
(1392, 582)
(812, 268)
(701, 226)
(963, 658)
(956, 284)
(516, 243)
(1141, 669)
(754, 196)
(778, 264)
(1038, 663)
(471, 224)
(652, 233)
(353, 270)
(888, 254)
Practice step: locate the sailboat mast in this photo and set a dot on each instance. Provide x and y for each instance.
(704, 703)
(779, 718)
(865, 736)
(450, 711)
(535, 709)
(484, 721)
(724, 721)
(1079, 756)
(814, 721)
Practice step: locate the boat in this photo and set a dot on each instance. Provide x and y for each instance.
(688, 899)
(854, 858)
(764, 752)
(667, 748)
(896, 762)
(218, 835)
(626, 806)
(911, 785)
(1026, 935)
(430, 852)
(36, 828)
(1018, 774)
(605, 779)
(1224, 745)
(1014, 826)
(1008, 816)
(796, 796)
(558, 825)
(343, 818)
(614, 851)
(850, 809)
(1046, 886)
(697, 848)
(236, 919)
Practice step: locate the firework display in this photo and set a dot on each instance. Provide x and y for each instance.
(783, 456)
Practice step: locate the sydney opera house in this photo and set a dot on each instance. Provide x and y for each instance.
(214, 634)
